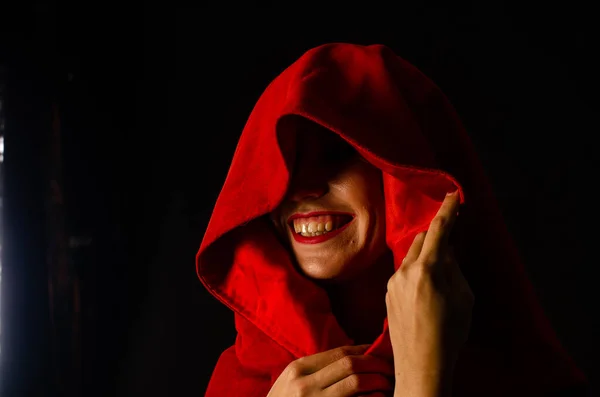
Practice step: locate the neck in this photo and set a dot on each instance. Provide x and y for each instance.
(359, 304)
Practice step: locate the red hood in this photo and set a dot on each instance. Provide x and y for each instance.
(403, 124)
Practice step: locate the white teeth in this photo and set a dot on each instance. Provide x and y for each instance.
(311, 234)
(313, 226)
(312, 229)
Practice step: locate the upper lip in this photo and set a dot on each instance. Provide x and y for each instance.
(316, 213)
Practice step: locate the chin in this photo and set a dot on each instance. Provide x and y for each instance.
(320, 271)
(329, 272)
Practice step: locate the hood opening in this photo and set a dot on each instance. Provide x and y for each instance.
(399, 121)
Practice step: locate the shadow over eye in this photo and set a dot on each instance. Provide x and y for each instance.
(338, 153)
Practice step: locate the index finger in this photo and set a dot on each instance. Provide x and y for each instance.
(436, 240)
(316, 362)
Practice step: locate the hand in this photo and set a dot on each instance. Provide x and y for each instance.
(429, 305)
(344, 371)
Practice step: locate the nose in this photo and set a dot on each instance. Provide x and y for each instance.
(309, 182)
(307, 193)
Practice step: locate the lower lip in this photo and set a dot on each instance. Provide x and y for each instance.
(319, 239)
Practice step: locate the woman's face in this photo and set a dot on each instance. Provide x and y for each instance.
(333, 215)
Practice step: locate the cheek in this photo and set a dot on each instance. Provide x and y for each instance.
(367, 188)
(375, 228)
(373, 201)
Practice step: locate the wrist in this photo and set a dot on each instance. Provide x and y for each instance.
(433, 384)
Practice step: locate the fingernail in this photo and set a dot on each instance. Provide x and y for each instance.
(452, 193)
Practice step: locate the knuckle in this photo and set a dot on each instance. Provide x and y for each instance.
(342, 352)
(353, 382)
(424, 269)
(391, 282)
(347, 363)
(301, 388)
(294, 369)
(430, 260)
(404, 271)
(438, 222)
(423, 279)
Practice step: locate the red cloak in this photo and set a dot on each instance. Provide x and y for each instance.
(402, 123)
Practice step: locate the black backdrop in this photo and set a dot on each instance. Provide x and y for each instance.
(146, 105)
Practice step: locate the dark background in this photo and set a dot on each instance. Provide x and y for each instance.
(120, 122)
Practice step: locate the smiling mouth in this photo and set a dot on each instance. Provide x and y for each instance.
(318, 223)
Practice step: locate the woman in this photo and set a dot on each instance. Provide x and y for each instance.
(336, 245)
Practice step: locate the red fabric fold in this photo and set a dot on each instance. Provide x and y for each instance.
(402, 123)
